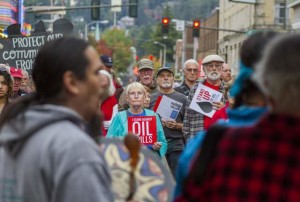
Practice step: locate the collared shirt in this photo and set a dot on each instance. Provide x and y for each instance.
(194, 121)
(183, 88)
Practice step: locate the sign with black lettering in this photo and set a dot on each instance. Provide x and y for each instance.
(144, 127)
(20, 51)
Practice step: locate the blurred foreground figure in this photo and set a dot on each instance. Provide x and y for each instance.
(248, 107)
(46, 153)
(260, 162)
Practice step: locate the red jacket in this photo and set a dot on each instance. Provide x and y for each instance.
(107, 110)
(220, 114)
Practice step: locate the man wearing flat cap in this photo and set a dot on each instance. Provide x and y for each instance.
(145, 77)
(194, 121)
(172, 126)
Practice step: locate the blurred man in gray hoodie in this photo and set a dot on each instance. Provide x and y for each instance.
(46, 153)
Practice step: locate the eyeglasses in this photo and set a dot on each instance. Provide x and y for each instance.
(211, 66)
(191, 70)
(146, 71)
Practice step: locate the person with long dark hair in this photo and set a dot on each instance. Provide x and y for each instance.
(46, 153)
(6, 87)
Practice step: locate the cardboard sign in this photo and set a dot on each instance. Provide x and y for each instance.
(203, 98)
(144, 127)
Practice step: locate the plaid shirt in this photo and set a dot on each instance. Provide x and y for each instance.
(183, 88)
(258, 163)
(194, 121)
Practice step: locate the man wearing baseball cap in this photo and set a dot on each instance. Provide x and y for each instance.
(146, 74)
(194, 121)
(172, 126)
(17, 75)
(108, 63)
(108, 66)
(145, 77)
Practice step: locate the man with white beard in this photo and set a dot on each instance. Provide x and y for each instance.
(172, 126)
(195, 122)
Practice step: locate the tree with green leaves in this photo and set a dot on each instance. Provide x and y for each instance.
(145, 36)
(168, 39)
(119, 43)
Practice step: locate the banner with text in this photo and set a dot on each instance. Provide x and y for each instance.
(144, 127)
(20, 51)
(203, 98)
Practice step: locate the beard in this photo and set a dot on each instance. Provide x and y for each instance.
(213, 76)
(166, 85)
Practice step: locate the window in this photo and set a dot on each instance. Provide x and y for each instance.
(281, 13)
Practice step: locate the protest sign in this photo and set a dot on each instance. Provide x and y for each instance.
(167, 108)
(144, 127)
(20, 51)
(203, 98)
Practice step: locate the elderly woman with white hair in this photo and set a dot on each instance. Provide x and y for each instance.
(109, 104)
(135, 97)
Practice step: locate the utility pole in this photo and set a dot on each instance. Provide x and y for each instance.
(284, 17)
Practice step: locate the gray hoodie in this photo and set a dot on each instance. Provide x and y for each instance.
(56, 162)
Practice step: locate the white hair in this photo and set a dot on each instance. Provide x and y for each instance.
(111, 89)
(135, 85)
(25, 73)
(190, 61)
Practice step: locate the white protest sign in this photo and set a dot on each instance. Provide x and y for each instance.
(168, 108)
(203, 98)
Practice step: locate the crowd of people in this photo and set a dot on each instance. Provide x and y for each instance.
(247, 150)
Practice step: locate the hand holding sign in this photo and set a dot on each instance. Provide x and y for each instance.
(206, 100)
(169, 123)
(217, 105)
(156, 146)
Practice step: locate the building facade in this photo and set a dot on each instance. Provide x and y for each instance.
(294, 6)
(263, 15)
(208, 39)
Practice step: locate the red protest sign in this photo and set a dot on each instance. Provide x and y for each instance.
(144, 127)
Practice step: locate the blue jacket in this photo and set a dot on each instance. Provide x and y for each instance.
(119, 128)
(242, 116)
